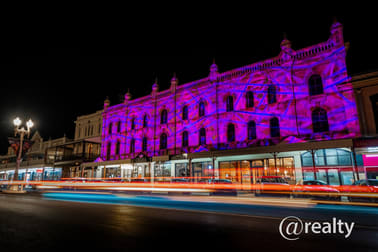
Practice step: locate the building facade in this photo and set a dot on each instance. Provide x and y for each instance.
(85, 147)
(293, 116)
(38, 162)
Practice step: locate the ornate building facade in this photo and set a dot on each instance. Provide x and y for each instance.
(273, 117)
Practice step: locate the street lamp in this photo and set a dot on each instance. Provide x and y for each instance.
(21, 131)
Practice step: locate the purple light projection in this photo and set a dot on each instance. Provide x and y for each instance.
(288, 74)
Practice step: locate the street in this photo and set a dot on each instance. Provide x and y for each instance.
(34, 222)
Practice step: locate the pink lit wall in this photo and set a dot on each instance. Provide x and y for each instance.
(289, 72)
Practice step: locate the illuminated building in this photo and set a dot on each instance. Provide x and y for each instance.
(274, 117)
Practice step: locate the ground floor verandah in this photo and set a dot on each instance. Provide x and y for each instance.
(335, 162)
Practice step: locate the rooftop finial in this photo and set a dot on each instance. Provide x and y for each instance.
(155, 86)
(285, 43)
(174, 82)
(128, 95)
(106, 102)
(213, 71)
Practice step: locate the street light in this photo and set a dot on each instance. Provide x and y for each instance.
(21, 131)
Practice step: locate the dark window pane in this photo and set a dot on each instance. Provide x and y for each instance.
(164, 117)
(185, 113)
(231, 133)
(202, 136)
(272, 94)
(230, 103)
(250, 102)
(315, 85)
(251, 130)
(185, 139)
(274, 127)
(320, 120)
(201, 109)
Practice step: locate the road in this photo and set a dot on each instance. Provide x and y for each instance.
(35, 222)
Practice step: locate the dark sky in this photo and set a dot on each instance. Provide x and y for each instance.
(54, 85)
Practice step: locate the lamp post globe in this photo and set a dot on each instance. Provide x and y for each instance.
(20, 131)
(17, 122)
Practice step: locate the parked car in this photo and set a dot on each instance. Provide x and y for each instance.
(215, 181)
(139, 180)
(271, 180)
(272, 186)
(3, 186)
(227, 190)
(364, 187)
(180, 180)
(316, 189)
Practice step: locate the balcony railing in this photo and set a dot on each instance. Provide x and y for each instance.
(72, 157)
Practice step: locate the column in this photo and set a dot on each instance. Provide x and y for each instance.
(313, 163)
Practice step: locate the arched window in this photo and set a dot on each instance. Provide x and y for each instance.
(231, 133)
(249, 99)
(251, 130)
(185, 139)
(185, 113)
(108, 150)
(272, 96)
(315, 85)
(319, 120)
(201, 109)
(230, 103)
(145, 121)
(202, 136)
(164, 117)
(133, 123)
(132, 145)
(144, 144)
(274, 127)
(163, 141)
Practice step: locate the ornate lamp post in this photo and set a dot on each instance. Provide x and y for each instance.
(21, 131)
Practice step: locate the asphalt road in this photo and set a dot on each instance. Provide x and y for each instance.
(31, 222)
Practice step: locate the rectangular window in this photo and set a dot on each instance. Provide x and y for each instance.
(181, 170)
(119, 126)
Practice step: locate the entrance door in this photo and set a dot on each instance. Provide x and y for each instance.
(257, 167)
(246, 172)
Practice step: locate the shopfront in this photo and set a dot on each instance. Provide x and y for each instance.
(34, 174)
(332, 166)
(202, 170)
(162, 171)
(141, 170)
(182, 170)
(251, 171)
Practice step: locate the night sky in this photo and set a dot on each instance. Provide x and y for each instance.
(55, 85)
